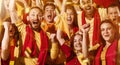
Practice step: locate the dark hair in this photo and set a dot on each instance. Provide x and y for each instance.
(112, 6)
(72, 40)
(49, 4)
(112, 24)
(74, 11)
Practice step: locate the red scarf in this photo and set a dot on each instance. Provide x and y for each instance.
(111, 54)
(96, 31)
(12, 49)
(30, 43)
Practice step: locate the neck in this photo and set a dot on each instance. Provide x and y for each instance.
(109, 42)
(70, 27)
(49, 22)
(89, 16)
(78, 52)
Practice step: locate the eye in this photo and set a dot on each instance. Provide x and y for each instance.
(102, 29)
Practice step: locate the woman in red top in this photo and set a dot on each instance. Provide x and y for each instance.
(9, 41)
(76, 54)
(108, 51)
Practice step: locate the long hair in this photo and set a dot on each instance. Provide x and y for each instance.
(72, 40)
(112, 24)
(75, 14)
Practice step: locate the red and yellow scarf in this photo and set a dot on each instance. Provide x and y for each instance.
(96, 31)
(30, 43)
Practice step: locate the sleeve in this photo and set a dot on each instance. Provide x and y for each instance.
(20, 25)
(54, 51)
(67, 50)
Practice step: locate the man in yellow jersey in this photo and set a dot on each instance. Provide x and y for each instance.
(56, 57)
(34, 47)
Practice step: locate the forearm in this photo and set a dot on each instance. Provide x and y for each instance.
(63, 6)
(5, 45)
(84, 44)
(59, 37)
(13, 12)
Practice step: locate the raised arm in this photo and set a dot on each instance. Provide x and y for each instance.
(59, 37)
(85, 29)
(5, 42)
(13, 12)
(63, 6)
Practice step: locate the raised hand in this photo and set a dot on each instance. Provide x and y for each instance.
(85, 27)
(6, 25)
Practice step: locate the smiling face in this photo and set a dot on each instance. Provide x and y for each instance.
(35, 18)
(77, 42)
(70, 16)
(107, 32)
(49, 13)
(113, 13)
(87, 6)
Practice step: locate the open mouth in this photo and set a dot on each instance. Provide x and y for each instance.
(88, 8)
(35, 22)
(106, 35)
(69, 19)
(49, 16)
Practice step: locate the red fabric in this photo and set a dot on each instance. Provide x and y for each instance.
(104, 3)
(5, 62)
(30, 42)
(12, 51)
(75, 29)
(25, 18)
(71, 58)
(96, 31)
(111, 54)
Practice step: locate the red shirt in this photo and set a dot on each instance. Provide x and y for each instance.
(71, 58)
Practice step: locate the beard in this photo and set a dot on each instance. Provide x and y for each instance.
(35, 28)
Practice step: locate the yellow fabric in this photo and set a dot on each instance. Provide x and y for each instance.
(19, 9)
(12, 43)
(11, 63)
(38, 39)
(95, 47)
(82, 60)
(55, 52)
(103, 54)
(118, 53)
(63, 24)
(22, 29)
(1, 31)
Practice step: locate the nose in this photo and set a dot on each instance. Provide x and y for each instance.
(36, 17)
(106, 31)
